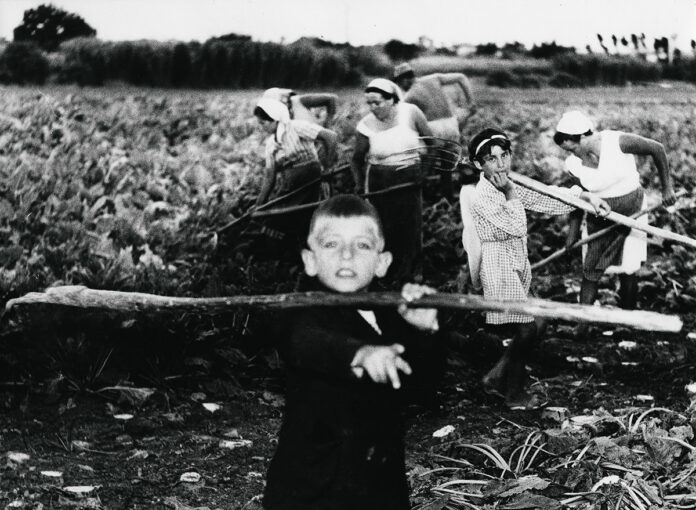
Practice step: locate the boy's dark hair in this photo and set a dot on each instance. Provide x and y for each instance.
(481, 144)
(261, 114)
(346, 206)
(560, 137)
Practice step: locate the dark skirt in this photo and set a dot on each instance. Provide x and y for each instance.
(608, 250)
(291, 178)
(401, 213)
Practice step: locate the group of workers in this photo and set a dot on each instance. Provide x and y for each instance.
(341, 444)
(404, 114)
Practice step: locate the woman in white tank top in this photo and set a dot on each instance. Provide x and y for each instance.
(387, 153)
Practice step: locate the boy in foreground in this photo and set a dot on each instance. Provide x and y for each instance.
(341, 444)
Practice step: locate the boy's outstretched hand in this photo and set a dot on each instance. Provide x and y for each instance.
(422, 318)
(382, 363)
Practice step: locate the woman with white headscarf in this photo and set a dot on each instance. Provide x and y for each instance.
(291, 156)
(386, 154)
(604, 163)
(318, 108)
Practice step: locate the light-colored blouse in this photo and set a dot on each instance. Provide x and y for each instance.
(292, 143)
(392, 145)
(616, 174)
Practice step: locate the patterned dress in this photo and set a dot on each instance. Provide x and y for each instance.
(501, 225)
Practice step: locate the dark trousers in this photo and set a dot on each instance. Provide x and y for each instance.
(401, 213)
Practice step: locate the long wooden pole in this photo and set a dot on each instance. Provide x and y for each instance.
(596, 235)
(276, 200)
(71, 300)
(312, 205)
(530, 183)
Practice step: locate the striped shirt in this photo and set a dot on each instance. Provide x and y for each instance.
(293, 143)
(501, 224)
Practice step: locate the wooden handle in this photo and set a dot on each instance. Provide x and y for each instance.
(70, 301)
(530, 183)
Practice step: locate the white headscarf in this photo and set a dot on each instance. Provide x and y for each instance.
(274, 109)
(386, 86)
(574, 123)
(278, 94)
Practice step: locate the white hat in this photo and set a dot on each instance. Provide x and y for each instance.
(402, 69)
(274, 109)
(386, 86)
(278, 94)
(574, 123)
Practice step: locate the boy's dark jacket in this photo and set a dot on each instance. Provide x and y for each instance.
(341, 445)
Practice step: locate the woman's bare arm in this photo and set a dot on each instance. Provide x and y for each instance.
(639, 145)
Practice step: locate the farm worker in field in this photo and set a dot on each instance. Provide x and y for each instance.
(291, 158)
(386, 154)
(318, 108)
(341, 443)
(428, 94)
(498, 210)
(604, 163)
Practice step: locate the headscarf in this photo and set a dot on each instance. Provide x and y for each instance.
(386, 86)
(277, 93)
(574, 123)
(484, 138)
(402, 69)
(274, 109)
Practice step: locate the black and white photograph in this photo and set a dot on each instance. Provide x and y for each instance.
(348, 255)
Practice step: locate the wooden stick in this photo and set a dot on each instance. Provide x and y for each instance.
(276, 200)
(596, 235)
(530, 183)
(76, 301)
(312, 205)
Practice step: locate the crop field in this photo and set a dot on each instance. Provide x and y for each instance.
(128, 189)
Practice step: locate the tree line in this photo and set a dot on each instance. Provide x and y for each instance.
(52, 45)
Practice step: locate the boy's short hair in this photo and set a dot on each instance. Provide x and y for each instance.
(346, 206)
(481, 144)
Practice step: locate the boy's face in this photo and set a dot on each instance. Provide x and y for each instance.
(498, 161)
(345, 253)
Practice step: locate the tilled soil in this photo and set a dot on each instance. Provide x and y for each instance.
(139, 462)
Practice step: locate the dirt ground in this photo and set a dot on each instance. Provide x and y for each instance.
(75, 439)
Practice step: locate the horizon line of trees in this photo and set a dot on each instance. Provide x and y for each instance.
(57, 46)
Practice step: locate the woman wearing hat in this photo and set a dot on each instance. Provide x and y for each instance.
(318, 108)
(386, 154)
(604, 163)
(291, 156)
(498, 211)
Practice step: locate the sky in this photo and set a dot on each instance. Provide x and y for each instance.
(446, 22)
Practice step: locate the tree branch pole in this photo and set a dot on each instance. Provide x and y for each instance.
(530, 183)
(73, 301)
(596, 235)
(276, 200)
(312, 205)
